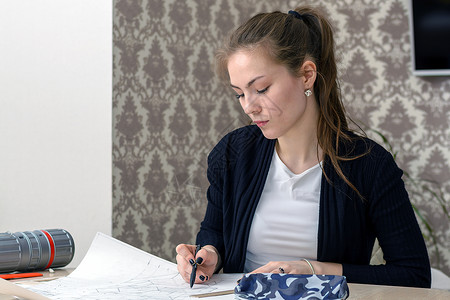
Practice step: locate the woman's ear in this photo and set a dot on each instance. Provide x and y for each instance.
(309, 71)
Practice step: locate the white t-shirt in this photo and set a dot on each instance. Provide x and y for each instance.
(285, 224)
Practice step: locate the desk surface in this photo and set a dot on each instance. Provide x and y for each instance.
(357, 291)
(367, 291)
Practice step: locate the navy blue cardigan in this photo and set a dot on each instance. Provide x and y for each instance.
(348, 226)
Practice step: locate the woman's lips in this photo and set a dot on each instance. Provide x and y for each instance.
(261, 123)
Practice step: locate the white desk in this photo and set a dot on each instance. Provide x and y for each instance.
(357, 291)
(368, 291)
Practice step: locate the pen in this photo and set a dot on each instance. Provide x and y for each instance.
(194, 267)
(20, 275)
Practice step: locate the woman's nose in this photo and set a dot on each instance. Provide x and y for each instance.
(251, 105)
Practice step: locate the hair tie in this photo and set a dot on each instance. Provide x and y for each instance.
(295, 14)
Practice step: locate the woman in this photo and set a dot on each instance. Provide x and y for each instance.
(300, 192)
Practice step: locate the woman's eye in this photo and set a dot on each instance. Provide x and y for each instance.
(262, 91)
(238, 96)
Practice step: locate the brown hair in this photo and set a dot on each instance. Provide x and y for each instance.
(290, 39)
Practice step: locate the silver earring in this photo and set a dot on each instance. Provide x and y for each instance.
(308, 93)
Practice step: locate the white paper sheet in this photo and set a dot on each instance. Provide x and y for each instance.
(112, 270)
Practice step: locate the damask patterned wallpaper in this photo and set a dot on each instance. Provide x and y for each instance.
(169, 109)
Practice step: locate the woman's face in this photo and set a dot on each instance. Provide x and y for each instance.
(269, 94)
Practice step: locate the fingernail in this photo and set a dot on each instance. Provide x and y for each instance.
(191, 261)
(202, 278)
(199, 260)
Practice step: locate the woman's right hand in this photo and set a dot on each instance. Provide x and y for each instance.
(206, 259)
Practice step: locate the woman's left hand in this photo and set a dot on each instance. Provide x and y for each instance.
(288, 267)
(300, 267)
